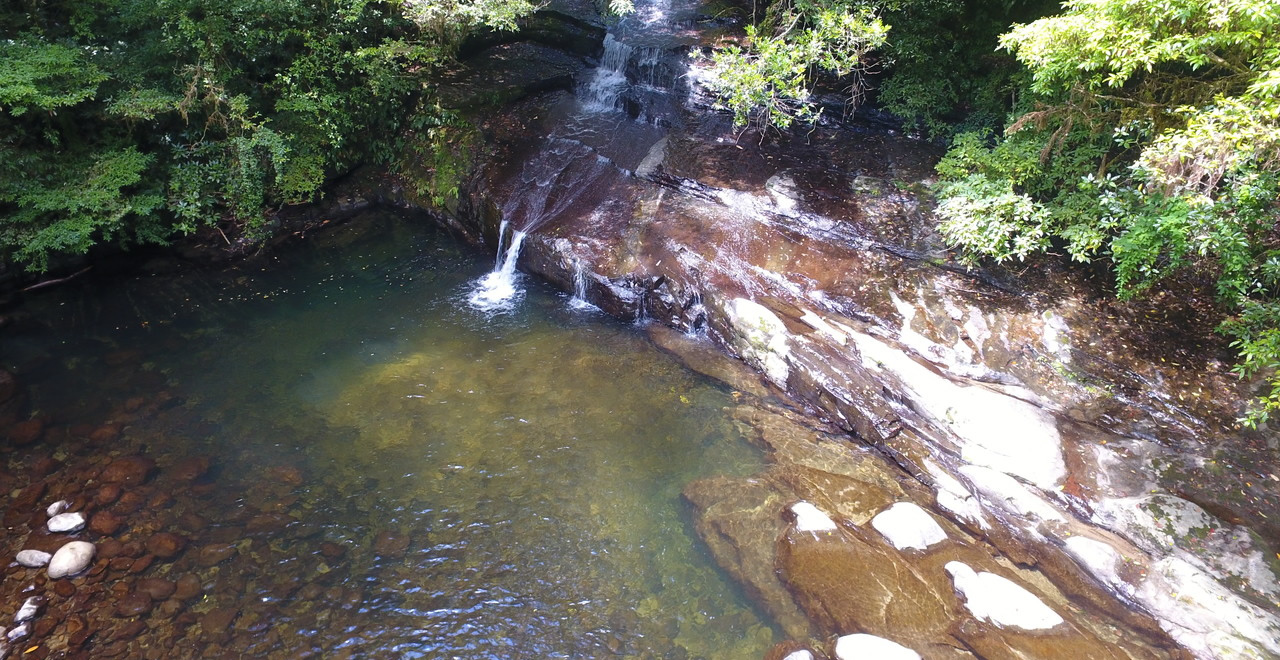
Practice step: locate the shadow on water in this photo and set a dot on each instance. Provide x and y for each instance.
(401, 475)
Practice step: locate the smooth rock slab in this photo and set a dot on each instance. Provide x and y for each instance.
(866, 647)
(999, 600)
(33, 558)
(905, 525)
(71, 559)
(66, 522)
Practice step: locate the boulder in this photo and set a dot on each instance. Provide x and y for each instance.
(71, 559)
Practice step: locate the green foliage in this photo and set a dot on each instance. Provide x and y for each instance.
(1156, 134)
(128, 121)
(771, 76)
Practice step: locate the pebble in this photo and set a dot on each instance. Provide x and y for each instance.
(66, 522)
(187, 587)
(216, 553)
(30, 609)
(105, 523)
(155, 587)
(107, 494)
(166, 545)
(134, 604)
(57, 507)
(128, 470)
(33, 558)
(19, 633)
(71, 559)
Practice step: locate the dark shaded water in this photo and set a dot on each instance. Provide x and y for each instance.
(443, 483)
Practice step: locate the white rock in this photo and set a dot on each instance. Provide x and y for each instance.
(33, 558)
(20, 633)
(870, 647)
(57, 507)
(992, 429)
(802, 654)
(71, 559)
(30, 608)
(760, 337)
(1000, 601)
(905, 525)
(810, 519)
(66, 522)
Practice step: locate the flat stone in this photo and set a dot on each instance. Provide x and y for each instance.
(33, 558)
(57, 507)
(999, 600)
(869, 647)
(66, 522)
(906, 526)
(71, 559)
(166, 545)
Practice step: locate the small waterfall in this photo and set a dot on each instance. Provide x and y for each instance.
(601, 93)
(579, 299)
(497, 290)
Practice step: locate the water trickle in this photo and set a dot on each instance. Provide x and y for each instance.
(579, 299)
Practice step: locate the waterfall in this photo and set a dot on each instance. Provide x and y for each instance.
(579, 299)
(595, 143)
(497, 290)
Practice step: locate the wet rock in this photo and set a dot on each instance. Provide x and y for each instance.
(71, 558)
(110, 548)
(64, 588)
(134, 604)
(865, 647)
(33, 558)
(130, 630)
(106, 434)
(906, 526)
(45, 466)
(269, 523)
(106, 523)
(215, 553)
(27, 432)
(57, 507)
(391, 543)
(31, 608)
(288, 475)
(8, 385)
(18, 633)
(157, 588)
(166, 545)
(107, 494)
(141, 564)
(187, 587)
(848, 579)
(128, 470)
(66, 522)
(130, 502)
(190, 469)
(215, 622)
(193, 522)
(331, 550)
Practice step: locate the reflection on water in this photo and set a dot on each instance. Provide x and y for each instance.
(475, 485)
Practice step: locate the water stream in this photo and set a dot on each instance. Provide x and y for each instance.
(610, 124)
(400, 474)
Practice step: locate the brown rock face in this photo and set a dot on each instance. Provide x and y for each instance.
(129, 470)
(166, 545)
(216, 553)
(390, 543)
(27, 432)
(134, 604)
(106, 523)
(157, 588)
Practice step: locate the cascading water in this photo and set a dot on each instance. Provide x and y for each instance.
(594, 141)
(579, 299)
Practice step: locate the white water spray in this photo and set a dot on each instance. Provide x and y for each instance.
(498, 290)
(579, 299)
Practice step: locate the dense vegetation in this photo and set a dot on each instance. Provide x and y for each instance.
(128, 121)
(1141, 132)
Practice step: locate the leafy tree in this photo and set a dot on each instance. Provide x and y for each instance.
(127, 121)
(1150, 137)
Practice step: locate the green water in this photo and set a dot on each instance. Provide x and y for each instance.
(534, 459)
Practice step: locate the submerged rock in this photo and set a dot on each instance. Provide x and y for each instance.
(33, 558)
(71, 559)
(66, 522)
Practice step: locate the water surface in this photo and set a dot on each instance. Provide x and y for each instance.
(500, 485)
